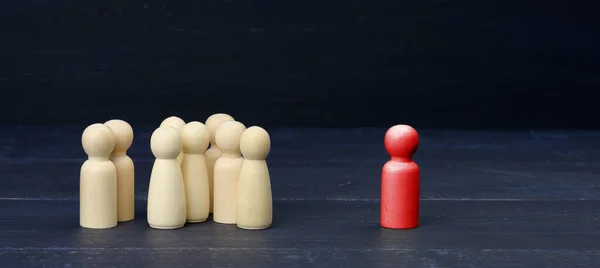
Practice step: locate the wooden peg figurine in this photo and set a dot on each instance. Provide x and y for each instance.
(125, 169)
(227, 171)
(400, 179)
(195, 139)
(166, 193)
(98, 179)
(254, 201)
(213, 153)
(177, 123)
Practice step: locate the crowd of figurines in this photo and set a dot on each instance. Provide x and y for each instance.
(189, 179)
(230, 179)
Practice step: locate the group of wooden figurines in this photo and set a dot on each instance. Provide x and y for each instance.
(188, 181)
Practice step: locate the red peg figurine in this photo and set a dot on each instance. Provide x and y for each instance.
(400, 179)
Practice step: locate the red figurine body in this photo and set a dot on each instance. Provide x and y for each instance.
(400, 179)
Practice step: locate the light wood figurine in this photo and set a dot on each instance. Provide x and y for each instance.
(166, 193)
(213, 153)
(177, 123)
(254, 200)
(227, 171)
(98, 179)
(125, 169)
(195, 139)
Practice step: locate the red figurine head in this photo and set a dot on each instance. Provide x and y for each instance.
(401, 141)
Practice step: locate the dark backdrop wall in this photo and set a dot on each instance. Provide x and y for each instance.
(429, 63)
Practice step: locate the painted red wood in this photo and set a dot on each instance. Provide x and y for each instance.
(400, 179)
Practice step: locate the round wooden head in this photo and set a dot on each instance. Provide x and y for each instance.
(401, 141)
(123, 134)
(195, 138)
(213, 122)
(255, 143)
(98, 140)
(173, 121)
(227, 137)
(165, 143)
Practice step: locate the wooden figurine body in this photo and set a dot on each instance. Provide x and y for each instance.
(98, 179)
(125, 169)
(177, 123)
(254, 200)
(166, 193)
(400, 180)
(213, 153)
(227, 171)
(195, 139)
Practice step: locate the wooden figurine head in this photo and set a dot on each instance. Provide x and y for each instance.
(195, 138)
(165, 143)
(255, 143)
(123, 134)
(227, 137)
(98, 140)
(173, 121)
(213, 122)
(401, 141)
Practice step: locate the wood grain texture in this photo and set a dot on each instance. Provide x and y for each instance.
(472, 233)
(489, 199)
(299, 257)
(462, 63)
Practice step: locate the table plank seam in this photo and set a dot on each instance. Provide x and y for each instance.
(291, 249)
(334, 199)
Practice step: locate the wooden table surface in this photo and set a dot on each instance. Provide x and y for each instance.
(489, 199)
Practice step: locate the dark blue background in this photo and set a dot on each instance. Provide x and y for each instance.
(429, 63)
